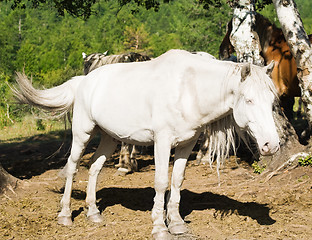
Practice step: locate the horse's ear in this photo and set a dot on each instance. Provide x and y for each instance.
(245, 71)
(269, 68)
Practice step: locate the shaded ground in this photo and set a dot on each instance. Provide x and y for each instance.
(244, 206)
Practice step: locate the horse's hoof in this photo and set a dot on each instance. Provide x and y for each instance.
(164, 235)
(122, 172)
(66, 221)
(178, 229)
(96, 218)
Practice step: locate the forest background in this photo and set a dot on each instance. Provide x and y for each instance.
(49, 47)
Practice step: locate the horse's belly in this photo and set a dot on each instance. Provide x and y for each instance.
(128, 133)
(145, 137)
(141, 137)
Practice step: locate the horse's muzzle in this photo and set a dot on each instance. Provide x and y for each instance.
(269, 148)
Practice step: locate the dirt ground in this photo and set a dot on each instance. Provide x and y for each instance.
(244, 206)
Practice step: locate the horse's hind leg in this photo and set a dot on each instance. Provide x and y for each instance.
(124, 160)
(133, 161)
(104, 151)
(80, 141)
(176, 223)
(204, 143)
(83, 129)
(127, 162)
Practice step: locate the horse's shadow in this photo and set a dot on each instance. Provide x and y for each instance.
(142, 199)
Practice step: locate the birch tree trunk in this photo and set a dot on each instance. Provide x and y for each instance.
(243, 37)
(299, 45)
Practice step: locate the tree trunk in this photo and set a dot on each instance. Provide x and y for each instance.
(7, 181)
(20, 28)
(243, 37)
(289, 143)
(299, 45)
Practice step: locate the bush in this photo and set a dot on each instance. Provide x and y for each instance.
(307, 161)
(40, 125)
(257, 169)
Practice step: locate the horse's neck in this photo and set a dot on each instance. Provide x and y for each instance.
(216, 95)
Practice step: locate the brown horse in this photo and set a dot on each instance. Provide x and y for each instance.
(273, 47)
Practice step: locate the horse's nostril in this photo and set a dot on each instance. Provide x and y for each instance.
(265, 147)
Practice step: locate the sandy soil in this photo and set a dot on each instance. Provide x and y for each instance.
(244, 206)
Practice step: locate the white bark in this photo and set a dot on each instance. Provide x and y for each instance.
(300, 46)
(244, 39)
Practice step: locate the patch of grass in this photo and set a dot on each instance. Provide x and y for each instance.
(307, 161)
(303, 178)
(257, 169)
(28, 127)
(40, 125)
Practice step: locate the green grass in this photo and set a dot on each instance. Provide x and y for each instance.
(307, 161)
(28, 127)
(256, 168)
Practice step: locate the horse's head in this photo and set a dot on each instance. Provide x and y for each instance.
(253, 106)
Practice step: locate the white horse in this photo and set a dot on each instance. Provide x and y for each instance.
(166, 102)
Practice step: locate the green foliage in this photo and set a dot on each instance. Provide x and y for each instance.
(207, 4)
(5, 110)
(81, 8)
(136, 39)
(42, 43)
(304, 7)
(260, 4)
(307, 161)
(269, 12)
(256, 168)
(78, 8)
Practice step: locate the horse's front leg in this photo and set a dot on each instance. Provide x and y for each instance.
(104, 151)
(176, 223)
(162, 153)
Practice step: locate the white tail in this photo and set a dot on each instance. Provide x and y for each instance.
(57, 99)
